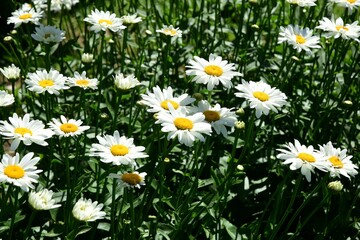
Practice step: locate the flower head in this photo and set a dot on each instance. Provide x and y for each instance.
(87, 57)
(350, 4)
(42, 200)
(336, 28)
(6, 99)
(42, 81)
(125, 83)
(133, 179)
(48, 34)
(212, 72)
(25, 130)
(67, 128)
(88, 211)
(101, 21)
(11, 72)
(261, 96)
(303, 3)
(170, 31)
(20, 172)
(25, 16)
(130, 19)
(83, 81)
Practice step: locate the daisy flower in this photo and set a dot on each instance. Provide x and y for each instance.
(339, 161)
(351, 4)
(219, 117)
(187, 128)
(67, 128)
(42, 200)
(83, 81)
(6, 99)
(117, 150)
(336, 28)
(160, 100)
(303, 3)
(57, 5)
(87, 57)
(43, 81)
(11, 72)
(101, 21)
(261, 96)
(299, 38)
(303, 157)
(130, 19)
(134, 179)
(25, 130)
(20, 172)
(25, 16)
(88, 211)
(125, 83)
(170, 31)
(212, 72)
(48, 34)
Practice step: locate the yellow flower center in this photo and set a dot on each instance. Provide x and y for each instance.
(46, 83)
(351, 1)
(82, 82)
(131, 178)
(23, 131)
(336, 162)
(213, 70)
(300, 39)
(306, 157)
(338, 28)
(107, 21)
(14, 171)
(171, 32)
(211, 116)
(261, 96)
(164, 104)
(119, 150)
(183, 123)
(68, 127)
(25, 16)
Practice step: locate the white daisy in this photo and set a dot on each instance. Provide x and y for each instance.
(88, 211)
(219, 117)
(101, 21)
(306, 158)
(6, 99)
(303, 3)
(87, 57)
(134, 179)
(58, 5)
(83, 81)
(336, 28)
(351, 4)
(261, 96)
(117, 150)
(11, 72)
(212, 72)
(170, 31)
(43, 81)
(125, 83)
(130, 19)
(299, 38)
(21, 16)
(25, 130)
(159, 100)
(339, 161)
(67, 128)
(187, 128)
(21, 173)
(48, 34)
(42, 200)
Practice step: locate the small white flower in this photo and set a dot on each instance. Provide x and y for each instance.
(58, 5)
(88, 211)
(42, 81)
(67, 128)
(350, 4)
(101, 21)
(6, 99)
(336, 28)
(130, 19)
(11, 72)
(82, 81)
(42, 200)
(25, 16)
(303, 3)
(125, 83)
(48, 34)
(170, 31)
(134, 179)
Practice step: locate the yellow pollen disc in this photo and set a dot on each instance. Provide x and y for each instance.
(213, 70)
(211, 116)
(68, 127)
(46, 83)
(25, 16)
(338, 28)
(300, 39)
(108, 22)
(82, 82)
(131, 178)
(351, 1)
(14, 171)
(306, 157)
(171, 32)
(119, 150)
(23, 131)
(164, 104)
(183, 123)
(261, 96)
(336, 162)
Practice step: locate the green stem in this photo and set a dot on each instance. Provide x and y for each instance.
(32, 217)
(15, 206)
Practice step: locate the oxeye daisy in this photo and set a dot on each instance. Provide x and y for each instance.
(350, 4)
(299, 38)
(20, 172)
(82, 81)
(67, 128)
(133, 179)
(219, 117)
(303, 157)
(261, 96)
(42, 81)
(25, 16)
(117, 150)
(336, 28)
(48, 34)
(187, 128)
(101, 21)
(42, 200)
(303, 3)
(88, 211)
(125, 83)
(212, 72)
(340, 162)
(170, 31)
(25, 130)
(159, 100)
(11, 72)
(6, 99)
(130, 19)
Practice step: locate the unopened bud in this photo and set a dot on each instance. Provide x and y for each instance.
(335, 186)
(240, 125)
